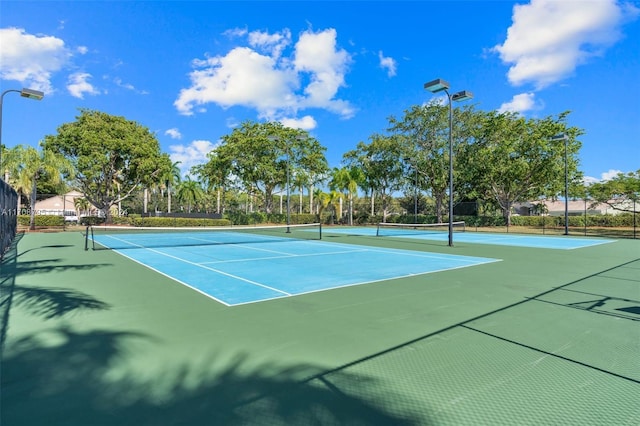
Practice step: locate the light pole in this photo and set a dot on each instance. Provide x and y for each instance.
(437, 86)
(415, 189)
(565, 138)
(415, 196)
(25, 93)
(277, 139)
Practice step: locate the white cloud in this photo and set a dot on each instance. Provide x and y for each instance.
(305, 123)
(174, 133)
(274, 44)
(263, 78)
(78, 85)
(520, 103)
(388, 63)
(608, 175)
(190, 155)
(549, 38)
(82, 50)
(31, 59)
(118, 81)
(242, 77)
(317, 55)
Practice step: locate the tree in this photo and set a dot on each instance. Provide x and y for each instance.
(190, 192)
(514, 159)
(82, 205)
(259, 156)
(311, 166)
(216, 174)
(425, 131)
(347, 179)
(379, 161)
(621, 193)
(32, 164)
(171, 178)
(324, 200)
(112, 156)
(425, 139)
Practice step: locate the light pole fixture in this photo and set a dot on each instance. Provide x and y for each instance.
(565, 138)
(436, 86)
(25, 93)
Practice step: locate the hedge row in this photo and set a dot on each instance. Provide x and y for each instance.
(256, 218)
(621, 220)
(41, 220)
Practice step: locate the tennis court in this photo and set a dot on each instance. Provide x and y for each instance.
(543, 337)
(247, 265)
(441, 234)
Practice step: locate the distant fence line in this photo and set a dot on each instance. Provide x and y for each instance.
(9, 216)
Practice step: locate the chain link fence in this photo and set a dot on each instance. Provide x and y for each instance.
(9, 217)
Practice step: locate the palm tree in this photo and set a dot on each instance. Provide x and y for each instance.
(12, 167)
(33, 164)
(325, 200)
(170, 179)
(347, 179)
(82, 205)
(190, 192)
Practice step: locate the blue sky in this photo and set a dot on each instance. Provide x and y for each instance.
(191, 71)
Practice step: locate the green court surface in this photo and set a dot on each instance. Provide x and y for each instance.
(543, 337)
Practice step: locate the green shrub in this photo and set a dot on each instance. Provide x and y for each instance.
(41, 220)
(91, 220)
(177, 222)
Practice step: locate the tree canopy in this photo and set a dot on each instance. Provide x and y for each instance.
(259, 156)
(516, 159)
(112, 156)
(621, 193)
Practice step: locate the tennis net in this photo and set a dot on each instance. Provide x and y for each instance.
(409, 229)
(127, 237)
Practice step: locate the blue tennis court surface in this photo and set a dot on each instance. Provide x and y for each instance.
(247, 272)
(534, 241)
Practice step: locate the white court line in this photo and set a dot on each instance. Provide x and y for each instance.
(200, 266)
(286, 256)
(464, 261)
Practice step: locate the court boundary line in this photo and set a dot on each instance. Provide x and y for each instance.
(197, 265)
(467, 260)
(492, 238)
(321, 376)
(366, 282)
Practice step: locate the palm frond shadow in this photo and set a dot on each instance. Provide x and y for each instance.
(54, 302)
(71, 383)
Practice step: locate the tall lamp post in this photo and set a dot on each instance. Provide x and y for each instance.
(277, 139)
(565, 138)
(415, 189)
(25, 93)
(437, 86)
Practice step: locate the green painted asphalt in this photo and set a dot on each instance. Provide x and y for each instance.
(544, 337)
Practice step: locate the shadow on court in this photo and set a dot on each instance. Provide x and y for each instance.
(561, 352)
(62, 376)
(68, 384)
